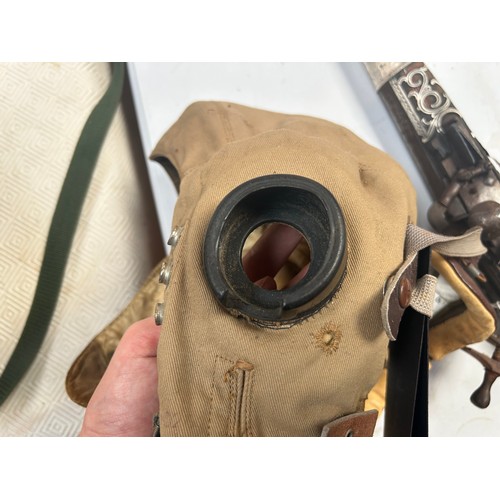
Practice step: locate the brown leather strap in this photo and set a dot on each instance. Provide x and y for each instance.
(360, 424)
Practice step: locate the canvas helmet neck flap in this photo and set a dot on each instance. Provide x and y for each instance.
(236, 359)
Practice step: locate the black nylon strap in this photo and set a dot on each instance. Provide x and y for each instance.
(406, 410)
(61, 233)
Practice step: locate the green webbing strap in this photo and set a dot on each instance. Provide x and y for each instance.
(61, 233)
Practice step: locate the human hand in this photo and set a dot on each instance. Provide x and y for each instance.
(126, 398)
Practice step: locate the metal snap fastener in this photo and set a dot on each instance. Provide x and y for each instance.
(165, 272)
(174, 236)
(159, 309)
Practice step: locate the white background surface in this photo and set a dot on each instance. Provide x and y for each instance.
(342, 93)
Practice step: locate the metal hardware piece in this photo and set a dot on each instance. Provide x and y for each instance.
(174, 236)
(165, 272)
(405, 290)
(159, 310)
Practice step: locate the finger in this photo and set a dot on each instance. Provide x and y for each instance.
(298, 276)
(267, 282)
(126, 398)
(271, 251)
(140, 340)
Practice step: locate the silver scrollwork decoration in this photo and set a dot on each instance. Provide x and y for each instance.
(431, 102)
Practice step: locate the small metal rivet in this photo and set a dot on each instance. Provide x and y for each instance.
(174, 236)
(165, 272)
(159, 308)
(405, 290)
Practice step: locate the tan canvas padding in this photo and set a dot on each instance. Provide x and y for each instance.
(474, 324)
(219, 375)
